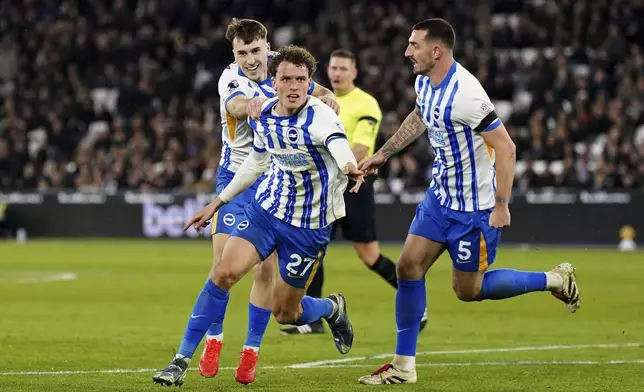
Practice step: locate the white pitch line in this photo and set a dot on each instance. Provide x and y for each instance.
(37, 277)
(471, 351)
(502, 363)
(435, 364)
(337, 363)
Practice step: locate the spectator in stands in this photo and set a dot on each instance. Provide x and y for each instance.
(112, 95)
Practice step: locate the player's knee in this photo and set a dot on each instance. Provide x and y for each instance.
(284, 315)
(467, 294)
(225, 277)
(407, 268)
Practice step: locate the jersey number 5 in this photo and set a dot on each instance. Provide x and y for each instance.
(299, 266)
(464, 253)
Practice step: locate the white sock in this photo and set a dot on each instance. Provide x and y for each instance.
(219, 337)
(256, 349)
(404, 362)
(184, 358)
(554, 281)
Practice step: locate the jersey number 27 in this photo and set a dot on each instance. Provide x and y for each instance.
(299, 266)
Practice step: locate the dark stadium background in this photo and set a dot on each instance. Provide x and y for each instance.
(105, 95)
(110, 128)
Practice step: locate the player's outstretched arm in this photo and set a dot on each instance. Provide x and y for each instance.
(256, 163)
(505, 153)
(340, 150)
(409, 130)
(253, 166)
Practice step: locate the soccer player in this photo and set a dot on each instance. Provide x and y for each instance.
(466, 203)
(361, 117)
(302, 144)
(243, 86)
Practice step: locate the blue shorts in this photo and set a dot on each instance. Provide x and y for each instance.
(468, 236)
(231, 213)
(299, 251)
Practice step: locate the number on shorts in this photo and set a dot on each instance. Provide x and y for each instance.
(298, 260)
(464, 254)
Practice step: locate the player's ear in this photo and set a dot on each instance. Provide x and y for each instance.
(273, 82)
(437, 52)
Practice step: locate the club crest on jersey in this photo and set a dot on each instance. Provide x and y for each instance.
(485, 108)
(233, 85)
(243, 225)
(229, 219)
(436, 113)
(292, 135)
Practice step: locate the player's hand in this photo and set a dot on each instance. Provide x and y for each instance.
(254, 107)
(370, 165)
(332, 103)
(500, 216)
(354, 174)
(204, 215)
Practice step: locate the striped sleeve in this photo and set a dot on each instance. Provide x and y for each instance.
(258, 137)
(477, 112)
(326, 125)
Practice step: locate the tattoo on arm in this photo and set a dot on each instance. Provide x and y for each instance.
(321, 91)
(409, 131)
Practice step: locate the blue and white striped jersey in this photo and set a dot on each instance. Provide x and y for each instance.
(456, 112)
(304, 185)
(236, 136)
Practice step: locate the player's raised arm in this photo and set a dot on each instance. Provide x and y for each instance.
(409, 130)
(238, 97)
(241, 107)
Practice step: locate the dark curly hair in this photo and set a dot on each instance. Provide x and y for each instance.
(293, 54)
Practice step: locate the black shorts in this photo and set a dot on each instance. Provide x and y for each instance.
(359, 224)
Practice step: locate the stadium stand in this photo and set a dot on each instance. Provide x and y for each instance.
(111, 95)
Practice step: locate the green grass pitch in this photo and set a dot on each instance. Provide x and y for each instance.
(87, 307)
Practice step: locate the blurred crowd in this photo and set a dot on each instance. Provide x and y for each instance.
(106, 95)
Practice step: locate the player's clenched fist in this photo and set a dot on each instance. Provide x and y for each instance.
(204, 215)
(500, 216)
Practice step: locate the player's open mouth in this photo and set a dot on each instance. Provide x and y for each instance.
(253, 68)
(293, 96)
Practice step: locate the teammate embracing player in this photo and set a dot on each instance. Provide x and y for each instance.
(243, 87)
